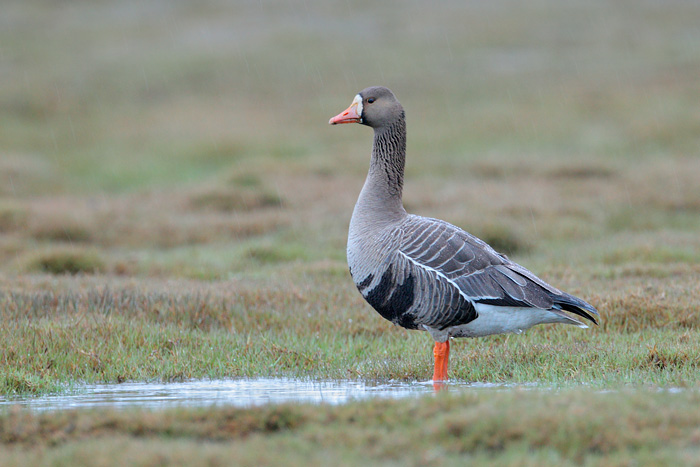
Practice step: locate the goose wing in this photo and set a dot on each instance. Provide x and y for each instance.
(453, 266)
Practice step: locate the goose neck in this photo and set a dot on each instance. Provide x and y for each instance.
(389, 157)
(380, 200)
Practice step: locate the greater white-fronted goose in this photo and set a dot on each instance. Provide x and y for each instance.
(427, 274)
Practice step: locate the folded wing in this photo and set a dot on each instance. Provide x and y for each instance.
(452, 270)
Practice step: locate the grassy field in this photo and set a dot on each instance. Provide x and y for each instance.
(173, 205)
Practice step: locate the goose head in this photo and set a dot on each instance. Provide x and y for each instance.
(375, 107)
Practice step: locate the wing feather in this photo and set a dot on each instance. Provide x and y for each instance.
(463, 267)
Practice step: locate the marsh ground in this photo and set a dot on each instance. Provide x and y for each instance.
(173, 205)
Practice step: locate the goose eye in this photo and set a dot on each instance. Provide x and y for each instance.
(370, 100)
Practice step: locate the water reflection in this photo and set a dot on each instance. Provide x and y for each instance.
(239, 392)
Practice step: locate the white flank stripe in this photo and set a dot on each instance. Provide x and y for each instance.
(439, 274)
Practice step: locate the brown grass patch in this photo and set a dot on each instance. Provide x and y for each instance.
(499, 169)
(662, 359)
(566, 426)
(61, 227)
(12, 216)
(637, 311)
(227, 199)
(67, 261)
(579, 171)
(503, 239)
(158, 219)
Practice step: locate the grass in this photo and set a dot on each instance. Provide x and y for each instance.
(117, 335)
(174, 206)
(67, 261)
(509, 428)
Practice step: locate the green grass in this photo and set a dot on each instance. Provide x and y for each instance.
(173, 205)
(520, 427)
(319, 328)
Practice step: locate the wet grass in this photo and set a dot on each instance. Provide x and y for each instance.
(319, 328)
(174, 206)
(519, 427)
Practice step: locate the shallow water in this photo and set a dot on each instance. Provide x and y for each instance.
(238, 392)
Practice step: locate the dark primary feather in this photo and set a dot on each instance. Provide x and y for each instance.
(465, 269)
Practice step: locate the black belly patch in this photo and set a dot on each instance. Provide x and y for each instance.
(392, 300)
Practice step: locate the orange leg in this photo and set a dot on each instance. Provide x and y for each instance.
(442, 355)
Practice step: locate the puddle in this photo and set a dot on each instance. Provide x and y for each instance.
(239, 393)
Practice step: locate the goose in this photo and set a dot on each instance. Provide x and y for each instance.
(427, 274)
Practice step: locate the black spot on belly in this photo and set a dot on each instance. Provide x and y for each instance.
(365, 283)
(393, 300)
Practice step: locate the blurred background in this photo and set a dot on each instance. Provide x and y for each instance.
(190, 139)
